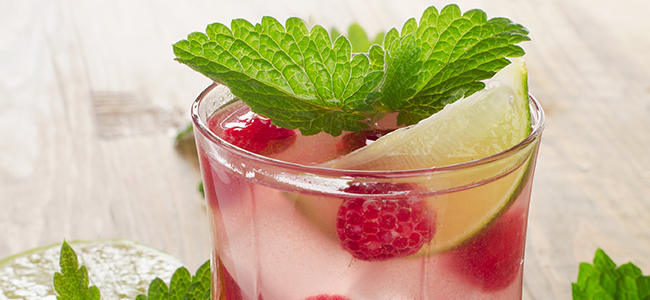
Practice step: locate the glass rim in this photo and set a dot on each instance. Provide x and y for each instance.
(537, 120)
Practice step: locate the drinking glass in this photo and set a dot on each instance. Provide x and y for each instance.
(276, 225)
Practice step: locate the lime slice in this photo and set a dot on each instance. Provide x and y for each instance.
(121, 269)
(485, 123)
(488, 122)
(465, 213)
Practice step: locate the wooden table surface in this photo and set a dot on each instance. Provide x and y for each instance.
(91, 100)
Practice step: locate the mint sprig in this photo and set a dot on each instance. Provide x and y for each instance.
(182, 286)
(293, 75)
(72, 282)
(302, 79)
(603, 280)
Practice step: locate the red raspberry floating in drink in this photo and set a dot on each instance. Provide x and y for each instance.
(376, 229)
(256, 134)
(493, 259)
(230, 288)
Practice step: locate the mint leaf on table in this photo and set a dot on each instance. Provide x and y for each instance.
(201, 189)
(72, 282)
(604, 280)
(187, 133)
(301, 79)
(182, 286)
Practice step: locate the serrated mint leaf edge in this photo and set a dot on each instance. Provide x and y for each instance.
(422, 79)
(324, 72)
(398, 92)
(72, 282)
(183, 285)
(629, 282)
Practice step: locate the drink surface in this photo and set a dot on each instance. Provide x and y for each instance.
(275, 241)
(304, 150)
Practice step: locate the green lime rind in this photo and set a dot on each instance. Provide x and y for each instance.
(526, 172)
(517, 76)
(121, 269)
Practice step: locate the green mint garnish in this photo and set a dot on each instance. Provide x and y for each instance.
(604, 280)
(187, 133)
(72, 282)
(201, 189)
(182, 286)
(302, 79)
(288, 73)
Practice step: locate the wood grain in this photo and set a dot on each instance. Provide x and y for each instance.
(90, 102)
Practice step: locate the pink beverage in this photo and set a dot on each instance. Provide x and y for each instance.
(286, 228)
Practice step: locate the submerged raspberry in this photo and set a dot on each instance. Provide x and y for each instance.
(256, 134)
(376, 229)
(229, 286)
(493, 259)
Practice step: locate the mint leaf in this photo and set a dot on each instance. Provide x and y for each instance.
(293, 75)
(301, 79)
(182, 286)
(72, 282)
(187, 133)
(643, 287)
(604, 280)
(201, 283)
(444, 58)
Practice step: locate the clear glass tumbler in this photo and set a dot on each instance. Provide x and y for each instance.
(285, 231)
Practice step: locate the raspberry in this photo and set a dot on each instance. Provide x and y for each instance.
(256, 134)
(328, 297)
(230, 288)
(493, 259)
(376, 229)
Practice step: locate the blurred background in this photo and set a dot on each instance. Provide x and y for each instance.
(91, 101)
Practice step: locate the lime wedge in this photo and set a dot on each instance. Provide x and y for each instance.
(485, 123)
(121, 269)
(465, 213)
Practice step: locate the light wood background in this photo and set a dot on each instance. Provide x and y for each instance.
(90, 102)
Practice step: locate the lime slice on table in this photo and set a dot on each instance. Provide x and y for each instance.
(486, 123)
(121, 269)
